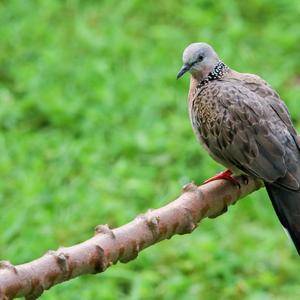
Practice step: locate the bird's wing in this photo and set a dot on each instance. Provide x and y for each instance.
(255, 133)
(259, 86)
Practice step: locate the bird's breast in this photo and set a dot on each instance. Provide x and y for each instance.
(204, 112)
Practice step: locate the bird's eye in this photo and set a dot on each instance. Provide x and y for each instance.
(200, 58)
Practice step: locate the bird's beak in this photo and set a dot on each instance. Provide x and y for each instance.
(183, 70)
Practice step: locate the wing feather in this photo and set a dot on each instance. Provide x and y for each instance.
(256, 134)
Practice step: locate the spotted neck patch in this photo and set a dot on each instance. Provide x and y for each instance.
(219, 70)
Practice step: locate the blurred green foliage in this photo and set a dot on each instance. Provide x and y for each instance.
(94, 129)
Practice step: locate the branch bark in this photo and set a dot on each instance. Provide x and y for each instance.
(123, 244)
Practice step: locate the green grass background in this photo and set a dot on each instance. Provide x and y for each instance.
(94, 129)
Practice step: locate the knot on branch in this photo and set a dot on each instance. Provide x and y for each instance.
(36, 291)
(152, 223)
(100, 260)
(5, 264)
(226, 201)
(189, 187)
(104, 229)
(193, 189)
(132, 254)
(191, 223)
(61, 260)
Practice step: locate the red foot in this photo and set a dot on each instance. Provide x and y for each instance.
(226, 175)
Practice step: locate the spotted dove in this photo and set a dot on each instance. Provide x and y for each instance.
(245, 126)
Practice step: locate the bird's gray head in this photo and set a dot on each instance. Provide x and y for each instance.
(199, 59)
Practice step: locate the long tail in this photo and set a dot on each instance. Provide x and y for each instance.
(287, 206)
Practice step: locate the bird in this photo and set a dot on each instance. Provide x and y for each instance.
(245, 126)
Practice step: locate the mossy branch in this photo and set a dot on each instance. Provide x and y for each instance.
(123, 244)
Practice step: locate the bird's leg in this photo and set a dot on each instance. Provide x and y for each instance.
(226, 175)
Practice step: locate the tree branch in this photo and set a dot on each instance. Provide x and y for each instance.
(124, 243)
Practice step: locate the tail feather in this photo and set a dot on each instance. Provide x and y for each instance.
(286, 203)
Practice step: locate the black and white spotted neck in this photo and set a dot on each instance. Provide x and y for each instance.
(219, 70)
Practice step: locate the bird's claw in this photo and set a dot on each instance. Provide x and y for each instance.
(226, 175)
